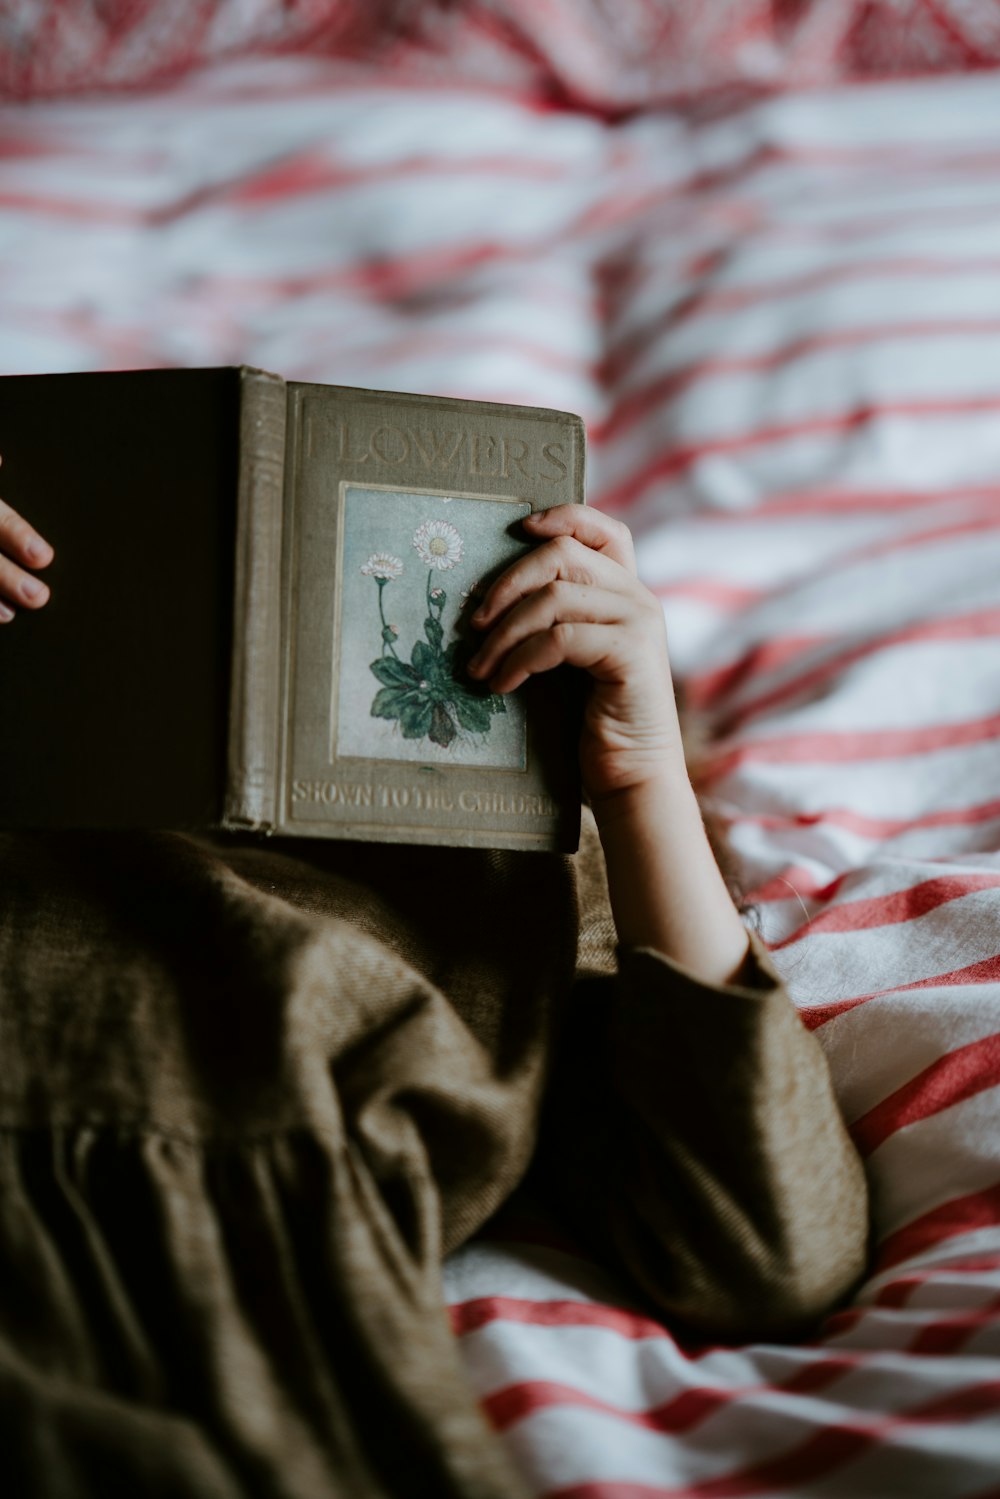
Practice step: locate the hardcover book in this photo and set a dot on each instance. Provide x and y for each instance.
(259, 610)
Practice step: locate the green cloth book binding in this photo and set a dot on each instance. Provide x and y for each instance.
(259, 610)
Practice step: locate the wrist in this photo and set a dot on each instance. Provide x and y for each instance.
(667, 891)
(663, 789)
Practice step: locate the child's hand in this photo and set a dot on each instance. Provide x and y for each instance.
(576, 599)
(20, 548)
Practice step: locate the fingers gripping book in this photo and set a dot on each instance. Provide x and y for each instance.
(259, 613)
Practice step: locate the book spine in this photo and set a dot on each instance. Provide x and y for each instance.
(251, 781)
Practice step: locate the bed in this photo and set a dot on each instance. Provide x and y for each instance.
(763, 262)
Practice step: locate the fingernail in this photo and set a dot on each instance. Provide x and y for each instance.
(478, 616)
(31, 588)
(474, 664)
(39, 552)
(6, 615)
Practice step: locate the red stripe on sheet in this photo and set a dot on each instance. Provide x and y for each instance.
(702, 689)
(111, 346)
(77, 209)
(469, 1316)
(951, 1333)
(634, 406)
(985, 972)
(958, 1075)
(795, 882)
(876, 160)
(898, 1292)
(962, 1215)
(841, 1443)
(987, 519)
(519, 1401)
(908, 904)
(873, 827)
(214, 86)
(388, 276)
(677, 460)
(839, 1323)
(708, 300)
(681, 1414)
(15, 147)
(837, 231)
(426, 345)
(832, 747)
(314, 171)
(805, 504)
(717, 592)
(827, 1449)
(438, 269)
(958, 37)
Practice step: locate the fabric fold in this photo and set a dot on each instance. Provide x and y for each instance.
(253, 1095)
(693, 1136)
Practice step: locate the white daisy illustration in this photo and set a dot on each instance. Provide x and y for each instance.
(438, 544)
(382, 565)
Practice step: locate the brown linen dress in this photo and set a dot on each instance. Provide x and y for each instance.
(251, 1094)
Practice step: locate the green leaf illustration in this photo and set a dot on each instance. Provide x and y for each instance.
(430, 696)
(442, 728)
(472, 713)
(426, 663)
(417, 717)
(393, 673)
(389, 702)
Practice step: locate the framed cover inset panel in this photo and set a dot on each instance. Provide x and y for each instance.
(411, 567)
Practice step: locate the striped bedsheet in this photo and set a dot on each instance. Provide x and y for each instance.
(782, 326)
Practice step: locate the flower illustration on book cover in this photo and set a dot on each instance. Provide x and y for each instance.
(438, 544)
(382, 565)
(429, 696)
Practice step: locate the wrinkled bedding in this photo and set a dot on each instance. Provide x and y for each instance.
(779, 320)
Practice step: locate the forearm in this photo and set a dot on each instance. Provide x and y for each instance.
(666, 889)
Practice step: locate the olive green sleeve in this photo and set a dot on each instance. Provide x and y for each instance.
(693, 1136)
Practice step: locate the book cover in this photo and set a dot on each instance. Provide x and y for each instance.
(259, 610)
